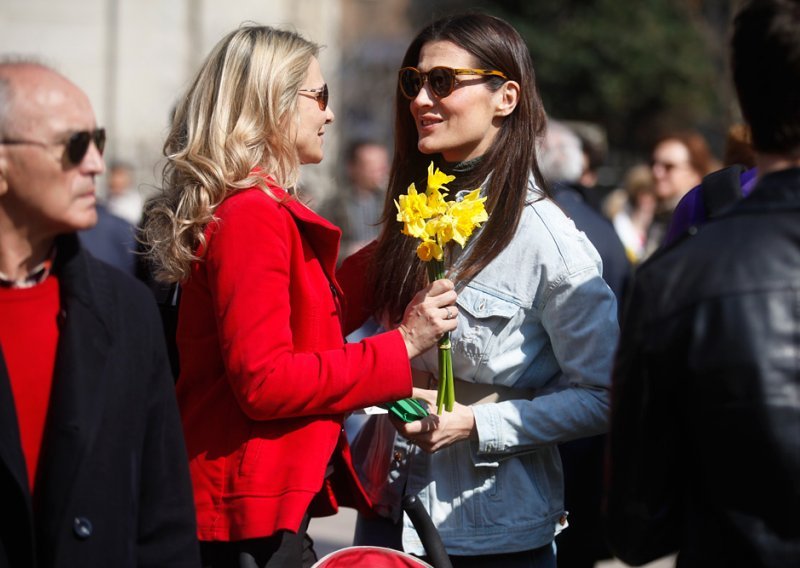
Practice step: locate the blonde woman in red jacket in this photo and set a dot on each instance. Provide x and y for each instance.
(266, 376)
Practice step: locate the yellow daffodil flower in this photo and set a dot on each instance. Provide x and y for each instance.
(412, 211)
(446, 229)
(437, 178)
(436, 202)
(469, 213)
(435, 221)
(429, 250)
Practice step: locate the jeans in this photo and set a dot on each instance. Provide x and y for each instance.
(543, 557)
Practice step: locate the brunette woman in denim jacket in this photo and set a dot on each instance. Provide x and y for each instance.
(537, 325)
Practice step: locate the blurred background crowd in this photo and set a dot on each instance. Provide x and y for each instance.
(643, 85)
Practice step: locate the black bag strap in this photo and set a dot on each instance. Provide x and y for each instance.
(168, 300)
(721, 189)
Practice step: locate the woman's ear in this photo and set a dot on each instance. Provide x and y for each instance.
(508, 97)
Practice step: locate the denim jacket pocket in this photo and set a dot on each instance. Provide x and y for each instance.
(474, 341)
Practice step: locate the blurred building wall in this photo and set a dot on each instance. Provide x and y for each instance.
(374, 40)
(134, 58)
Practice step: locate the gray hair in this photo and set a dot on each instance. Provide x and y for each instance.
(560, 154)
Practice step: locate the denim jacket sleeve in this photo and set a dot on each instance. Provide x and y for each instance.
(577, 312)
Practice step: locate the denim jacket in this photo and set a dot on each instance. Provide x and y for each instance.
(539, 317)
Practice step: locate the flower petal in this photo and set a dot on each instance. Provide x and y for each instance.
(437, 178)
(428, 250)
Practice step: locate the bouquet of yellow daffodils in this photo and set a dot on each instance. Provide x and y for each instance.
(436, 221)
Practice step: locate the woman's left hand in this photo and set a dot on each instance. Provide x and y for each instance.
(435, 432)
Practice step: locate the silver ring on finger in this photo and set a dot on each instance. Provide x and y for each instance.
(450, 315)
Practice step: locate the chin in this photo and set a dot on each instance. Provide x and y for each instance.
(427, 148)
(316, 159)
(85, 221)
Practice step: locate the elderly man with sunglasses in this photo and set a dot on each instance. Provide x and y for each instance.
(93, 469)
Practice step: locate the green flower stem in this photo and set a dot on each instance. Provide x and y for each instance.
(445, 394)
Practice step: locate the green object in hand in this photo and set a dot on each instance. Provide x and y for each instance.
(407, 409)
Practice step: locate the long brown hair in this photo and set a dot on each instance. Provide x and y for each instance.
(396, 271)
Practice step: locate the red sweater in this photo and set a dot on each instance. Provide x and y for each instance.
(265, 374)
(29, 336)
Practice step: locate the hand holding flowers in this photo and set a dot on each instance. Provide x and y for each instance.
(433, 432)
(424, 321)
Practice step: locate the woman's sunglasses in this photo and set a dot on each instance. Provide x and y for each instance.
(76, 145)
(442, 80)
(666, 166)
(320, 94)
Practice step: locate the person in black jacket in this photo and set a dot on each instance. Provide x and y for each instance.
(705, 436)
(561, 161)
(93, 468)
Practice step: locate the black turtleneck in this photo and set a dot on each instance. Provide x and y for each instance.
(460, 168)
(464, 172)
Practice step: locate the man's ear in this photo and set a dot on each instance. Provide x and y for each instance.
(508, 98)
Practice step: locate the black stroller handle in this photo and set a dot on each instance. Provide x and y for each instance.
(437, 554)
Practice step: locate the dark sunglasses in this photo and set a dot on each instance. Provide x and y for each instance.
(442, 80)
(76, 145)
(320, 94)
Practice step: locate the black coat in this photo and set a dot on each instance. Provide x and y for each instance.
(616, 266)
(113, 484)
(582, 459)
(112, 240)
(705, 427)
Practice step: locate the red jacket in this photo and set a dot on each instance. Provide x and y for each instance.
(265, 374)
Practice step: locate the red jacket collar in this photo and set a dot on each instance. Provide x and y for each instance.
(323, 236)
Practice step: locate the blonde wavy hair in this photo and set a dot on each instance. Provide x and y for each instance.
(236, 116)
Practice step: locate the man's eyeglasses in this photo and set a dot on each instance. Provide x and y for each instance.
(76, 145)
(442, 80)
(320, 94)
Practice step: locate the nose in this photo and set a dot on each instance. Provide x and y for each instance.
(424, 98)
(659, 171)
(93, 162)
(329, 116)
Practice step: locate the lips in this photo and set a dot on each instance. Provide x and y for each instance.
(89, 192)
(427, 123)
